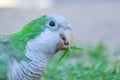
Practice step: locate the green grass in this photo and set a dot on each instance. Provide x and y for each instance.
(91, 63)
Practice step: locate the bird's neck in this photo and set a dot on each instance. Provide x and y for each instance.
(42, 45)
(38, 51)
(33, 69)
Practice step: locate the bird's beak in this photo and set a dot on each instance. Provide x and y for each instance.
(66, 40)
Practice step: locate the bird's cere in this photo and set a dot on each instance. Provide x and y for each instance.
(24, 54)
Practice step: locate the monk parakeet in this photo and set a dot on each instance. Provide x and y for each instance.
(24, 54)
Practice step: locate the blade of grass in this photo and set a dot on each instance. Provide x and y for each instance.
(67, 52)
(76, 48)
(63, 55)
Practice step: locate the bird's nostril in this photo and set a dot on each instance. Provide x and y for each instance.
(63, 37)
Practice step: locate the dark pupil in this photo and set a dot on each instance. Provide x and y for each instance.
(52, 23)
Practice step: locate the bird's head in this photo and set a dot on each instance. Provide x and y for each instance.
(52, 32)
(57, 31)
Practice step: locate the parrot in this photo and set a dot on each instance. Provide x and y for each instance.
(24, 54)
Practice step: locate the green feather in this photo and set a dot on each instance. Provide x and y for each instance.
(30, 31)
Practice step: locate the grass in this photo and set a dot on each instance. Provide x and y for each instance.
(91, 63)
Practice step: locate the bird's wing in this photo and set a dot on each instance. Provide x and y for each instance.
(5, 45)
(7, 52)
(3, 56)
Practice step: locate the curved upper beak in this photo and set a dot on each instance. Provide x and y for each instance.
(67, 39)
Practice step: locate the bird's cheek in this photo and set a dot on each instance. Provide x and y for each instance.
(60, 46)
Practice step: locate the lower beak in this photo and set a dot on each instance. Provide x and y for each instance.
(66, 42)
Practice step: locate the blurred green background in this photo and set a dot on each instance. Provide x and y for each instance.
(96, 29)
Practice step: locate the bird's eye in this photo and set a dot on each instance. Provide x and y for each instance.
(52, 23)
